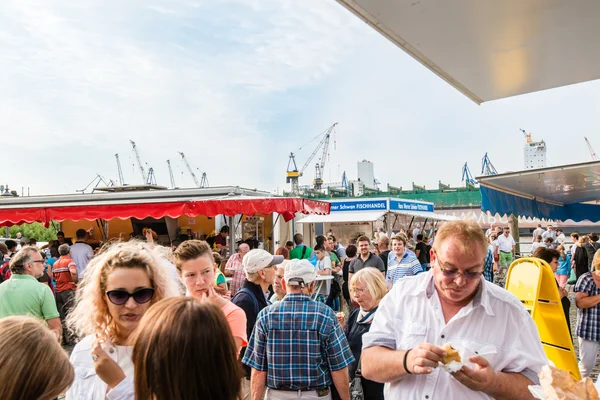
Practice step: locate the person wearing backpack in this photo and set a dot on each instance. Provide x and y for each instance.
(258, 265)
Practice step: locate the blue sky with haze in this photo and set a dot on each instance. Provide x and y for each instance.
(237, 85)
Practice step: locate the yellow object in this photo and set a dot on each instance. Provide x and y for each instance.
(533, 282)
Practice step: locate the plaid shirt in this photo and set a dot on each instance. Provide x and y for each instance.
(488, 267)
(588, 319)
(298, 342)
(235, 264)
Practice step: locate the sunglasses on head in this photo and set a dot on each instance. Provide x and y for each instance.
(120, 297)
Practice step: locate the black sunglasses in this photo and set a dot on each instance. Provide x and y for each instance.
(120, 297)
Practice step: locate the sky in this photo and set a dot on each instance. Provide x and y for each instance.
(239, 84)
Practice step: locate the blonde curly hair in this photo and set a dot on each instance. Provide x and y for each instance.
(90, 314)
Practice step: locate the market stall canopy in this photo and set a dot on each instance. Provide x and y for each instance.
(370, 216)
(560, 193)
(210, 202)
(493, 49)
(354, 216)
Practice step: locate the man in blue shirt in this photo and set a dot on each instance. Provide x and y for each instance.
(298, 348)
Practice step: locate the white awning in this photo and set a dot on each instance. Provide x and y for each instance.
(426, 215)
(361, 216)
(370, 216)
(493, 49)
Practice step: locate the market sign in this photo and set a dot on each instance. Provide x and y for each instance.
(407, 205)
(359, 205)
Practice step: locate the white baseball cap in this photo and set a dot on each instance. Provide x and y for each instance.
(299, 273)
(258, 259)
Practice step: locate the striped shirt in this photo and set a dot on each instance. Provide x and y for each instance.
(409, 265)
(488, 266)
(588, 319)
(61, 272)
(298, 342)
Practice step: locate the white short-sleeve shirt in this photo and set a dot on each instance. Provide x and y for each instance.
(495, 324)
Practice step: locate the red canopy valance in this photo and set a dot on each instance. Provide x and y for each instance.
(248, 206)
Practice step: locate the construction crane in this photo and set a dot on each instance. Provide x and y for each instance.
(204, 182)
(466, 175)
(97, 180)
(121, 180)
(151, 178)
(139, 161)
(293, 174)
(487, 168)
(591, 150)
(527, 136)
(173, 186)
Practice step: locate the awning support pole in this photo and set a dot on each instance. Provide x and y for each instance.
(410, 225)
(273, 233)
(231, 235)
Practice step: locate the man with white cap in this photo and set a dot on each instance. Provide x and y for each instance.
(308, 351)
(252, 297)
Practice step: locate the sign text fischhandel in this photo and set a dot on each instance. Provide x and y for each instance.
(404, 205)
(363, 205)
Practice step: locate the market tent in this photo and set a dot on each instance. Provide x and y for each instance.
(157, 204)
(560, 193)
(370, 216)
(360, 216)
(426, 215)
(493, 49)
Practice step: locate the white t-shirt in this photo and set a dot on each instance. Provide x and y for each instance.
(324, 286)
(505, 244)
(81, 253)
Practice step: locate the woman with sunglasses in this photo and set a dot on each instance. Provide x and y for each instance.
(119, 286)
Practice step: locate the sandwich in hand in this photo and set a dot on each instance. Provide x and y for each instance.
(451, 354)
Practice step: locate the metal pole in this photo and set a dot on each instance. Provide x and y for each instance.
(231, 235)
(513, 221)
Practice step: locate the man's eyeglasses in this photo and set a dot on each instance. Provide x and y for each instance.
(453, 273)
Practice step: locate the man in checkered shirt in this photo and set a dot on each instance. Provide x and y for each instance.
(587, 298)
(298, 348)
(234, 269)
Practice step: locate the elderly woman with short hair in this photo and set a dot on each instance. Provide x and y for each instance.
(367, 288)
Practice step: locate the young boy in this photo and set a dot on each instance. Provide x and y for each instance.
(323, 268)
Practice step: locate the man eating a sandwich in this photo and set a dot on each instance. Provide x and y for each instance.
(451, 315)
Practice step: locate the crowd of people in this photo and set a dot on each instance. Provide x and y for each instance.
(329, 322)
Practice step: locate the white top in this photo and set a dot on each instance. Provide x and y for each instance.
(495, 323)
(81, 253)
(538, 232)
(505, 243)
(87, 385)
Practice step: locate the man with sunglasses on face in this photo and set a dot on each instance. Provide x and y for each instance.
(499, 343)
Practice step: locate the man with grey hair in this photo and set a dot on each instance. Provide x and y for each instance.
(277, 283)
(252, 297)
(321, 352)
(22, 294)
(64, 273)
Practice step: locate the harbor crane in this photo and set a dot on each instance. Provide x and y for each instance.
(99, 179)
(173, 186)
(204, 182)
(467, 176)
(591, 150)
(120, 170)
(139, 161)
(293, 174)
(487, 168)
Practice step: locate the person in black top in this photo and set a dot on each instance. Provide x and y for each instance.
(580, 258)
(367, 288)
(551, 256)
(383, 244)
(351, 251)
(421, 252)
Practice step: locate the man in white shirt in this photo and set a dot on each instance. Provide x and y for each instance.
(453, 304)
(81, 252)
(506, 248)
(539, 231)
(549, 233)
(416, 231)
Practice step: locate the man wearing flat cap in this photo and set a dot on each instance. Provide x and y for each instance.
(298, 348)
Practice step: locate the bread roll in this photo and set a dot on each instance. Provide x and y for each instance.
(451, 354)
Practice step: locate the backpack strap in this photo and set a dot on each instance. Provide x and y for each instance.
(303, 252)
(252, 296)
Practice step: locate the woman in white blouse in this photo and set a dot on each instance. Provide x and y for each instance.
(120, 285)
